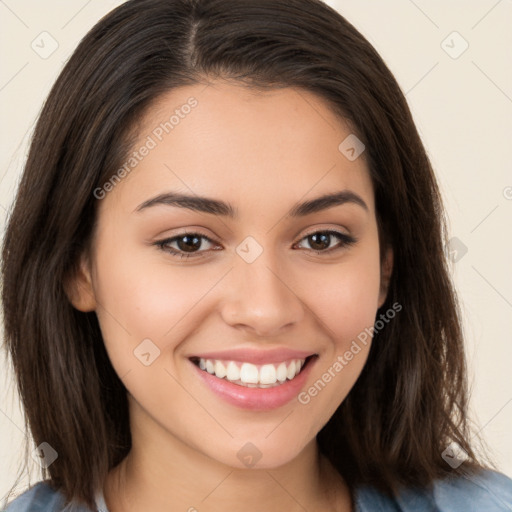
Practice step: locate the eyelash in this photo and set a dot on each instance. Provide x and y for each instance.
(346, 241)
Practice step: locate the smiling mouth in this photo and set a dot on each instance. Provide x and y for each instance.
(252, 375)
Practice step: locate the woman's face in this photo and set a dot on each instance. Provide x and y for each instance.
(253, 295)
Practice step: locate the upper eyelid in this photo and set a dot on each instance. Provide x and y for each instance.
(324, 230)
(212, 239)
(331, 231)
(197, 231)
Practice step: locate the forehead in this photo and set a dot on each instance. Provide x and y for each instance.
(248, 146)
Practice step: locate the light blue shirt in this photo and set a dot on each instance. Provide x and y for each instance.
(489, 491)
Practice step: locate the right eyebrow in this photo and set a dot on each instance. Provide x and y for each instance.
(218, 207)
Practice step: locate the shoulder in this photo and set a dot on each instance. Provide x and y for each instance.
(487, 490)
(42, 498)
(37, 498)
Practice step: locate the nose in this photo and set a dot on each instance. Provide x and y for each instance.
(261, 299)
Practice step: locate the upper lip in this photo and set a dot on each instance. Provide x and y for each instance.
(255, 356)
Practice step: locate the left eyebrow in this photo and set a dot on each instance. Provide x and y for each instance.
(221, 208)
(327, 201)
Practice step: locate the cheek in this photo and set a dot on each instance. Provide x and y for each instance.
(345, 299)
(344, 302)
(141, 296)
(141, 299)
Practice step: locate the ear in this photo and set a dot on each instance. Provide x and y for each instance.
(79, 289)
(385, 275)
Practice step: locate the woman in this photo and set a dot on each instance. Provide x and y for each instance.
(223, 271)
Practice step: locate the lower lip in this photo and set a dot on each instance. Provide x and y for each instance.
(257, 399)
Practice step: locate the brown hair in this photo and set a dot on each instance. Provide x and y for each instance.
(410, 400)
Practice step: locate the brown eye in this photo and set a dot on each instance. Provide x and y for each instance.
(187, 245)
(320, 241)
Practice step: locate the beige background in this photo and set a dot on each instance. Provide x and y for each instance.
(463, 109)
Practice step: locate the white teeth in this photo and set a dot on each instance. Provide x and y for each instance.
(291, 370)
(220, 369)
(251, 375)
(210, 368)
(268, 374)
(233, 372)
(281, 372)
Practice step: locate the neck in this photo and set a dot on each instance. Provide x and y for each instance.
(161, 473)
